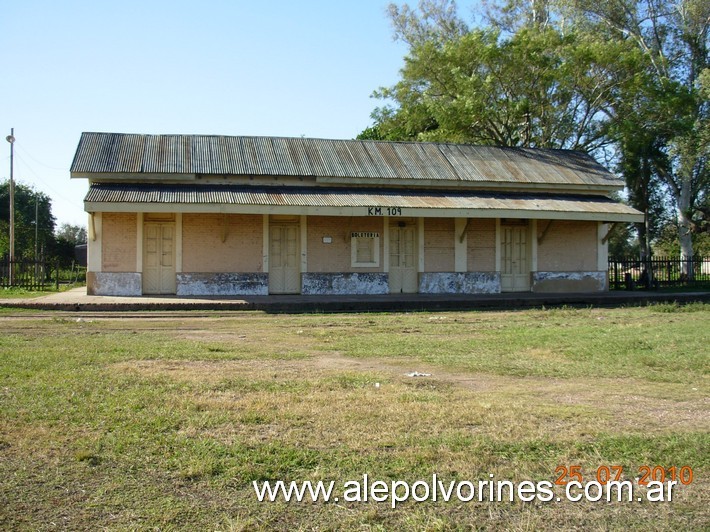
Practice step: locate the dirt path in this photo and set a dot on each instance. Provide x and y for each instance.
(628, 403)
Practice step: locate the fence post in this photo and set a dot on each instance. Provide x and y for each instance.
(56, 282)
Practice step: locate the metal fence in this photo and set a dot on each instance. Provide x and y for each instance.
(74, 274)
(658, 272)
(31, 274)
(25, 273)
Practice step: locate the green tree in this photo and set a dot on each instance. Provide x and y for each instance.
(434, 21)
(668, 244)
(512, 15)
(538, 87)
(641, 160)
(67, 238)
(623, 242)
(74, 234)
(32, 209)
(672, 37)
(625, 80)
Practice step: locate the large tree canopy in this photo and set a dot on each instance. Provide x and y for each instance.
(537, 88)
(32, 209)
(670, 110)
(621, 79)
(35, 227)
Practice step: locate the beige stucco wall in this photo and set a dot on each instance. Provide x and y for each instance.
(118, 242)
(204, 251)
(439, 245)
(481, 251)
(336, 256)
(567, 246)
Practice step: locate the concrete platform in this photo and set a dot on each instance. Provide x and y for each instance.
(76, 300)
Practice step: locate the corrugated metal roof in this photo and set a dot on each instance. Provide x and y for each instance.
(340, 197)
(105, 153)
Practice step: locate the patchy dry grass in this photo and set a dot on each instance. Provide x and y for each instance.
(23, 293)
(165, 422)
(20, 293)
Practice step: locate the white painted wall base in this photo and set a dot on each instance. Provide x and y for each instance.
(344, 283)
(114, 284)
(222, 284)
(459, 283)
(560, 282)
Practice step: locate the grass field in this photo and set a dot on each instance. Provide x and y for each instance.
(164, 422)
(23, 293)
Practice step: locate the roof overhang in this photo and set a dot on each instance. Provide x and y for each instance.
(278, 181)
(353, 202)
(134, 177)
(372, 163)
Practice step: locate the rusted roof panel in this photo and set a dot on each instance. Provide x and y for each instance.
(106, 153)
(164, 154)
(340, 197)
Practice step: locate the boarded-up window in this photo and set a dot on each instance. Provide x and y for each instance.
(365, 249)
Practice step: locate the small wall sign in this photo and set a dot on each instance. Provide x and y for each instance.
(384, 211)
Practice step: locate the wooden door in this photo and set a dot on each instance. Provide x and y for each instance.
(284, 259)
(403, 276)
(159, 258)
(515, 262)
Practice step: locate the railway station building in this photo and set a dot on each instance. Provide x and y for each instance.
(200, 215)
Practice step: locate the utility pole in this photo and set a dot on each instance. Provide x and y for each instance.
(11, 139)
(37, 268)
(36, 227)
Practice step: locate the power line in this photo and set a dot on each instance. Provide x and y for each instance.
(40, 162)
(50, 187)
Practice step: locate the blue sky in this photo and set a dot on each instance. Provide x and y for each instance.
(282, 68)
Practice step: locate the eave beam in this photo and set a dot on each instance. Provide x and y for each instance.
(541, 238)
(608, 233)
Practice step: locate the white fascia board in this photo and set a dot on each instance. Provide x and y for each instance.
(363, 211)
(510, 186)
(133, 177)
